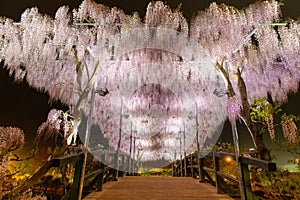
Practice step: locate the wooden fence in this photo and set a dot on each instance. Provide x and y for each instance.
(207, 168)
(93, 179)
(99, 176)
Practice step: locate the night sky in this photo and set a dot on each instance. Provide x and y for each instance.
(27, 108)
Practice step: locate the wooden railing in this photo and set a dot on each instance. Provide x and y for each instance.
(96, 177)
(207, 169)
(99, 176)
(76, 160)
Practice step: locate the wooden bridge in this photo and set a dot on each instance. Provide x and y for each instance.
(198, 176)
(193, 177)
(156, 187)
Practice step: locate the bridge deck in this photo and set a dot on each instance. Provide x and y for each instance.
(141, 187)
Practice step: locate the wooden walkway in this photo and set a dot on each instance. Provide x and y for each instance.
(156, 187)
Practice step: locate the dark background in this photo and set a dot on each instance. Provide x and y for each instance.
(26, 108)
(14, 8)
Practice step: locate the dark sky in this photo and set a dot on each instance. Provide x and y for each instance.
(25, 107)
(14, 8)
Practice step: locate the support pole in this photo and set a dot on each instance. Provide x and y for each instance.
(200, 172)
(133, 156)
(184, 151)
(86, 143)
(181, 164)
(119, 142)
(130, 150)
(237, 155)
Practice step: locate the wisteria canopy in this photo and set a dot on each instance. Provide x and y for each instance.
(160, 71)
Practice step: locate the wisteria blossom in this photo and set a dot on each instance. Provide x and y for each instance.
(59, 125)
(69, 60)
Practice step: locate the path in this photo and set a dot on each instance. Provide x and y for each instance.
(161, 188)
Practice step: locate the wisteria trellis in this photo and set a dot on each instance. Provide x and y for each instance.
(60, 57)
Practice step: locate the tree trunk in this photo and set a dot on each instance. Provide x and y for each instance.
(263, 152)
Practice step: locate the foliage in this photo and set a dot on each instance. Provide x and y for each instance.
(157, 172)
(278, 185)
(49, 186)
(11, 139)
(262, 109)
(178, 9)
(263, 112)
(229, 166)
(285, 146)
(221, 147)
(51, 140)
(281, 2)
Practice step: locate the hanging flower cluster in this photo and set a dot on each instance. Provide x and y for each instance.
(289, 128)
(160, 15)
(59, 125)
(270, 126)
(233, 108)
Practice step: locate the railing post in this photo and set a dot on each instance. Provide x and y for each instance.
(181, 167)
(116, 165)
(74, 193)
(217, 168)
(247, 182)
(100, 179)
(132, 167)
(178, 168)
(123, 165)
(185, 166)
(173, 169)
(200, 168)
(192, 166)
(128, 165)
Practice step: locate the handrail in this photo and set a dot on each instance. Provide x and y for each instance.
(266, 165)
(99, 176)
(64, 160)
(219, 181)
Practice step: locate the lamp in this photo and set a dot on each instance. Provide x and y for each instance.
(102, 91)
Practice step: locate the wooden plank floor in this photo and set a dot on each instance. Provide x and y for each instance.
(155, 187)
